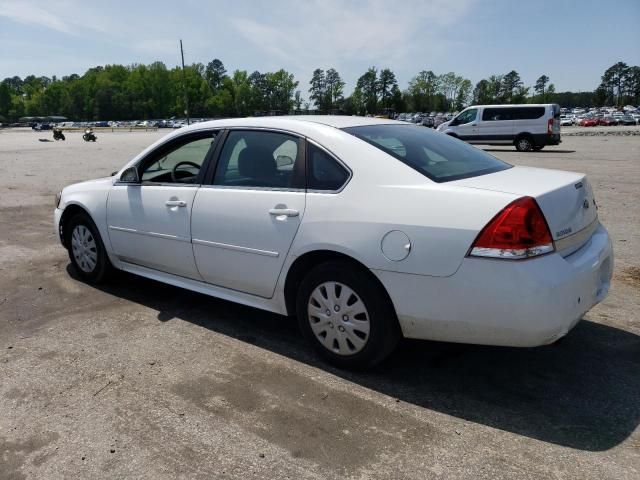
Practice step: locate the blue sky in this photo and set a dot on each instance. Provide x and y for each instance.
(572, 41)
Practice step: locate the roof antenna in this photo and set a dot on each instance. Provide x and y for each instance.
(184, 86)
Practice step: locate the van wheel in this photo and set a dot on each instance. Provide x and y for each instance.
(524, 144)
(346, 316)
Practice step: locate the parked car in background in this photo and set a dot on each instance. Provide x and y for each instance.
(527, 127)
(627, 120)
(607, 121)
(439, 120)
(617, 115)
(588, 122)
(324, 217)
(427, 121)
(42, 126)
(566, 120)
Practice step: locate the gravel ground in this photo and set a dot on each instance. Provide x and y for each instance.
(136, 379)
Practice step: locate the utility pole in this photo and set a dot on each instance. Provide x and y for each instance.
(184, 86)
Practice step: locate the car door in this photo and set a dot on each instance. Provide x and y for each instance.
(149, 218)
(496, 125)
(247, 214)
(466, 125)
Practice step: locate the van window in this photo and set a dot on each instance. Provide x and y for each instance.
(527, 113)
(433, 154)
(495, 114)
(467, 116)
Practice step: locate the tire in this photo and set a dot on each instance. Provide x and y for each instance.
(524, 143)
(86, 250)
(353, 342)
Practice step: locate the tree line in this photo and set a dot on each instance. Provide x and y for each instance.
(155, 91)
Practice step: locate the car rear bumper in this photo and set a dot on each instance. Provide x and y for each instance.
(543, 139)
(498, 302)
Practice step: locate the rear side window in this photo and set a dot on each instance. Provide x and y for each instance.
(528, 113)
(497, 114)
(434, 154)
(323, 171)
(260, 159)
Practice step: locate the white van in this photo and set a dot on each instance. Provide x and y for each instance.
(527, 127)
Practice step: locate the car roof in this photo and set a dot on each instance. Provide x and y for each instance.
(337, 121)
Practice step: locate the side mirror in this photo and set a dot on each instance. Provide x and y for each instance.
(130, 175)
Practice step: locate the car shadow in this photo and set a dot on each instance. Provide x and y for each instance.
(583, 392)
(511, 149)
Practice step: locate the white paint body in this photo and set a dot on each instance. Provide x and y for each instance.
(226, 244)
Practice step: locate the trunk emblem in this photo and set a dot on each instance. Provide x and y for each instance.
(585, 204)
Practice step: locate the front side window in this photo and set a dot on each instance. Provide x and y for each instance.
(323, 171)
(259, 159)
(178, 163)
(435, 155)
(467, 116)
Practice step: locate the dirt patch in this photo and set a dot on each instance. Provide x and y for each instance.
(631, 276)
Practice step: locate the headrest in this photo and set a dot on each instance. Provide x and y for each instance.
(256, 162)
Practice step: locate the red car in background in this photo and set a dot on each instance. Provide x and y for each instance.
(607, 121)
(588, 122)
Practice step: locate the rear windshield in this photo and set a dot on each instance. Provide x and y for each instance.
(435, 155)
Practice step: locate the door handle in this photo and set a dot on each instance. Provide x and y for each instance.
(289, 212)
(175, 203)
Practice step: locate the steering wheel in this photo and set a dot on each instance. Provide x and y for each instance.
(179, 164)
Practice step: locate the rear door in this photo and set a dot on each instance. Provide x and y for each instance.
(247, 214)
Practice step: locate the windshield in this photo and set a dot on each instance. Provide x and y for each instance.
(435, 155)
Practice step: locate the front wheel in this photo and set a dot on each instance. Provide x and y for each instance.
(86, 250)
(347, 316)
(524, 144)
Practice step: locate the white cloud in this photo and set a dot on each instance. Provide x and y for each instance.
(31, 14)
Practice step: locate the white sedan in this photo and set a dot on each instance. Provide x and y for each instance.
(366, 229)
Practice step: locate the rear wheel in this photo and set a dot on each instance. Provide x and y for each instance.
(347, 316)
(86, 250)
(524, 144)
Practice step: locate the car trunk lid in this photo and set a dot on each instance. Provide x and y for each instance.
(565, 198)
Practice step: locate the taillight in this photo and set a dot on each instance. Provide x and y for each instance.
(518, 231)
(550, 126)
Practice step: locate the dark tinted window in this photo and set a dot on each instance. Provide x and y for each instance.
(259, 159)
(324, 172)
(496, 114)
(528, 113)
(435, 155)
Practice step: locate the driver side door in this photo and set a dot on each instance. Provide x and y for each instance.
(467, 125)
(149, 220)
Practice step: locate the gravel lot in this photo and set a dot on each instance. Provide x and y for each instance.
(136, 379)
